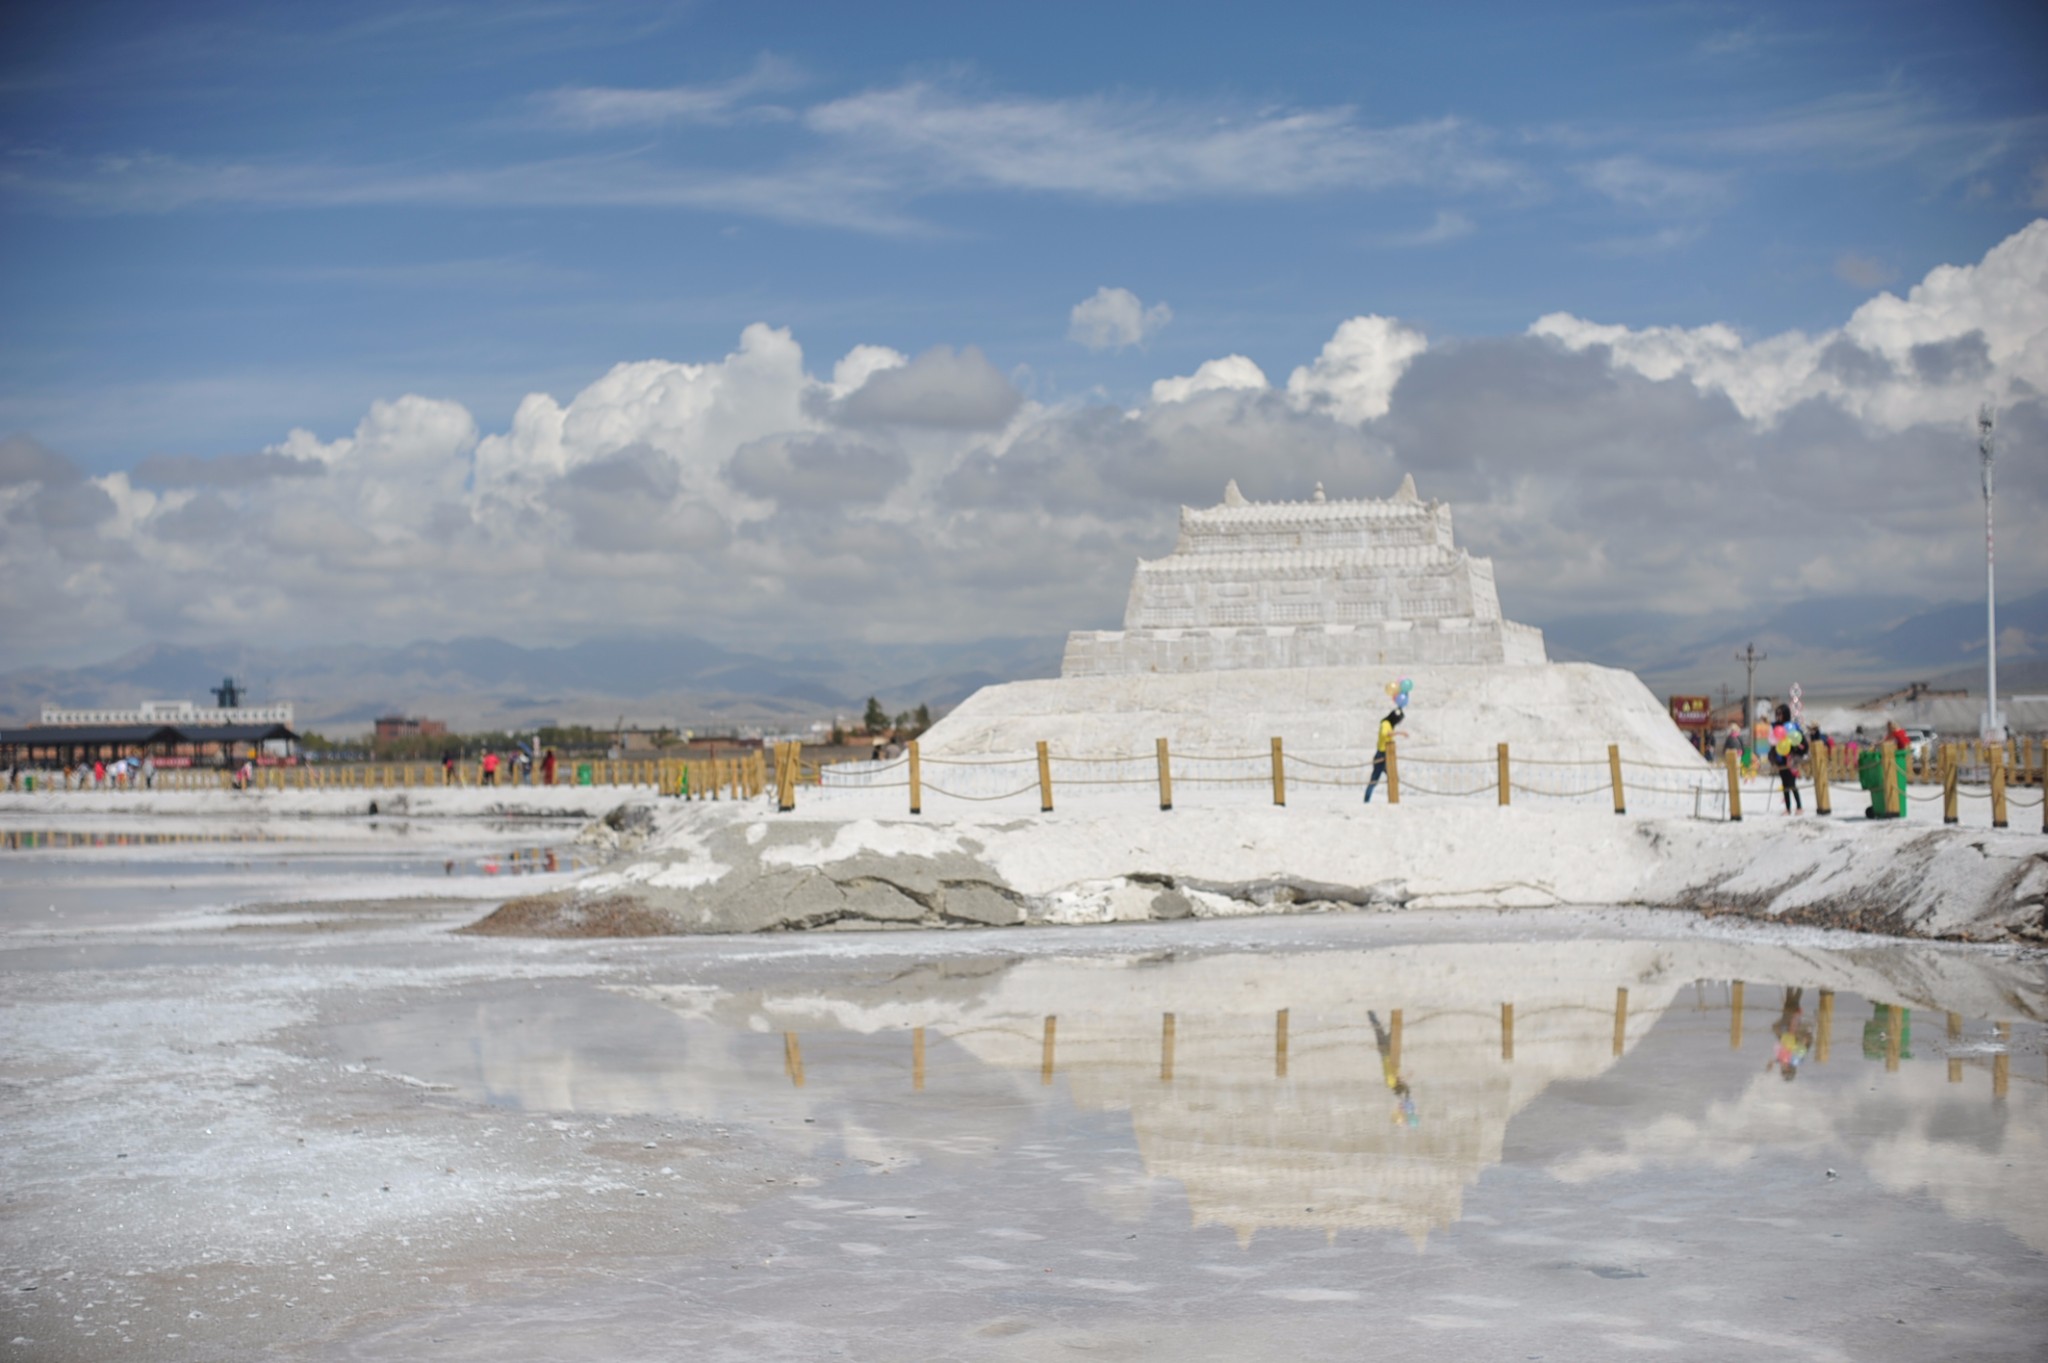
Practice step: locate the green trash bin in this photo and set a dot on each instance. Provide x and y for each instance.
(583, 774)
(1869, 762)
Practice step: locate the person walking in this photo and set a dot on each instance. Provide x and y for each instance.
(547, 767)
(1379, 756)
(490, 768)
(1786, 760)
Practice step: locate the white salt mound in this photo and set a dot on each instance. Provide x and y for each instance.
(1556, 711)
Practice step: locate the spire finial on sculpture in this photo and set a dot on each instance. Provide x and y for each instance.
(1406, 492)
(1231, 496)
(1319, 493)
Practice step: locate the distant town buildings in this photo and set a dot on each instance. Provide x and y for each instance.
(179, 713)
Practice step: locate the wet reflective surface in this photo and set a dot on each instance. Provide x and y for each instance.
(326, 1125)
(1679, 1161)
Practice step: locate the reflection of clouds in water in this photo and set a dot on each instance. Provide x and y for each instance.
(1324, 1145)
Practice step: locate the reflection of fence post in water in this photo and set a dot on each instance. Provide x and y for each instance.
(793, 1059)
(1507, 1019)
(2001, 1064)
(1052, 1027)
(1735, 1016)
(1394, 1037)
(1824, 1042)
(1280, 1044)
(1620, 1018)
(1166, 1048)
(917, 1060)
(1893, 1024)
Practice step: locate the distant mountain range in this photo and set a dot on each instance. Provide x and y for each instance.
(474, 683)
(1846, 646)
(1839, 645)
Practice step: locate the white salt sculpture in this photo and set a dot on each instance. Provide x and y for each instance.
(1308, 584)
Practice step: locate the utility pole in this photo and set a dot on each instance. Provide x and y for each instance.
(1994, 728)
(1749, 658)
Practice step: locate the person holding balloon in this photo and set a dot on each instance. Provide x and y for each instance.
(1398, 693)
(1788, 746)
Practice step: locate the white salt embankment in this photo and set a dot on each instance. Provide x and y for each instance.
(744, 868)
(982, 852)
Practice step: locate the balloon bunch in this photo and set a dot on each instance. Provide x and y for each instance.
(1397, 692)
(1798, 706)
(1786, 737)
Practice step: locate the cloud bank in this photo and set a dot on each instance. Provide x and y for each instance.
(753, 498)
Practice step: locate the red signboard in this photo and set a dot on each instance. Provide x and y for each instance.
(1692, 712)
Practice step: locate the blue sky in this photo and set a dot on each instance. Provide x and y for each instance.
(227, 222)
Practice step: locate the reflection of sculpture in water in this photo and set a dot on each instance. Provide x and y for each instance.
(1390, 1069)
(1794, 1035)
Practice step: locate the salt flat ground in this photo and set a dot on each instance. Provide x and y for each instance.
(260, 1100)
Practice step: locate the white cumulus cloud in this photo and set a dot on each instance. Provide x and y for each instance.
(1964, 334)
(1230, 372)
(1354, 377)
(1111, 319)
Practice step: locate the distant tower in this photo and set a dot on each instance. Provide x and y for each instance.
(228, 693)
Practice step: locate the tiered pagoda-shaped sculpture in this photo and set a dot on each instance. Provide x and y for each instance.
(1308, 584)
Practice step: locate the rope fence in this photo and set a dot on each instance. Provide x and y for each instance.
(1705, 790)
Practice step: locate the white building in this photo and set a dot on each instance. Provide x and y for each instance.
(1308, 584)
(175, 712)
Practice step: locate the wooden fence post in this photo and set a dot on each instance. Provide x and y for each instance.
(1393, 771)
(785, 776)
(1166, 1048)
(1044, 780)
(1614, 775)
(1620, 1021)
(1165, 782)
(1280, 1044)
(916, 781)
(1823, 790)
(1998, 807)
(1734, 786)
(1507, 1031)
(1045, 1055)
(1949, 764)
(1888, 779)
(1502, 753)
(1279, 775)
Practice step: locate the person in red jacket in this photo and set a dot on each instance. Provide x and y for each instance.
(490, 769)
